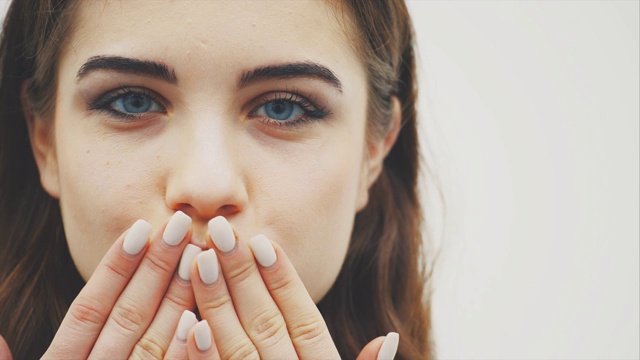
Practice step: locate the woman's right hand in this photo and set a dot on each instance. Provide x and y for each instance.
(132, 303)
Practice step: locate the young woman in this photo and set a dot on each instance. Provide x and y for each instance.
(253, 164)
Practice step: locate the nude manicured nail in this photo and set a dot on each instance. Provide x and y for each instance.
(202, 331)
(188, 254)
(137, 237)
(263, 250)
(389, 346)
(222, 234)
(187, 321)
(177, 228)
(208, 266)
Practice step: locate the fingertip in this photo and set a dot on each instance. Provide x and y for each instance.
(381, 348)
(187, 321)
(202, 334)
(389, 346)
(200, 343)
(263, 250)
(222, 234)
(206, 267)
(370, 351)
(186, 260)
(137, 237)
(5, 352)
(176, 229)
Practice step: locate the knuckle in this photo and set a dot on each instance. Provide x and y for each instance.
(128, 317)
(269, 327)
(309, 332)
(217, 303)
(240, 273)
(148, 348)
(283, 284)
(85, 314)
(158, 264)
(244, 349)
(177, 300)
(116, 270)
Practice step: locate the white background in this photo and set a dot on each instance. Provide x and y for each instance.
(530, 112)
(531, 109)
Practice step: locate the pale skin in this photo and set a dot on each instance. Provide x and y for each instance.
(206, 146)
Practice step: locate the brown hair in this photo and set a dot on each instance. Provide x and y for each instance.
(381, 286)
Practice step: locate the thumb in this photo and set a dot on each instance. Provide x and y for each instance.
(5, 353)
(381, 348)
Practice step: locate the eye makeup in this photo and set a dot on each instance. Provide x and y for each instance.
(284, 109)
(129, 103)
(276, 108)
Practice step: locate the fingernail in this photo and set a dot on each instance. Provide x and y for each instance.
(185, 262)
(177, 228)
(222, 234)
(263, 250)
(137, 237)
(187, 321)
(202, 331)
(208, 266)
(389, 346)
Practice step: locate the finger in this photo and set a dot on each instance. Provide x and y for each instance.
(381, 348)
(178, 346)
(5, 352)
(215, 305)
(138, 303)
(305, 324)
(370, 351)
(200, 344)
(258, 313)
(91, 308)
(178, 299)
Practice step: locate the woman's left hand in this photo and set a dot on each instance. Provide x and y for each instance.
(256, 304)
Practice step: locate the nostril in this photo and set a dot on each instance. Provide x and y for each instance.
(200, 220)
(203, 215)
(227, 210)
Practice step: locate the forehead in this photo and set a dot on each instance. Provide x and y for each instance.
(223, 32)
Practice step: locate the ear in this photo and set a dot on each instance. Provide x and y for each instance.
(42, 146)
(376, 153)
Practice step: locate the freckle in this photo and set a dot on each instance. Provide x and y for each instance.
(88, 151)
(108, 163)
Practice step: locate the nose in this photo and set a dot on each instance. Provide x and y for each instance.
(205, 178)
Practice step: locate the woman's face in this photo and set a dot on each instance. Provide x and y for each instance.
(255, 111)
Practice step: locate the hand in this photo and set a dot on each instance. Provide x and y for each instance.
(131, 303)
(257, 305)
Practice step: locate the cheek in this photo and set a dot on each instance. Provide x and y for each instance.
(101, 191)
(311, 207)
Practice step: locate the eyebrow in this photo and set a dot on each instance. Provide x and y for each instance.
(290, 70)
(130, 66)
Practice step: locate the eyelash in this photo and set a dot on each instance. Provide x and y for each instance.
(312, 112)
(103, 102)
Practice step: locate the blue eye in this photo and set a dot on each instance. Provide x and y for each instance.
(281, 110)
(287, 109)
(129, 103)
(135, 103)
